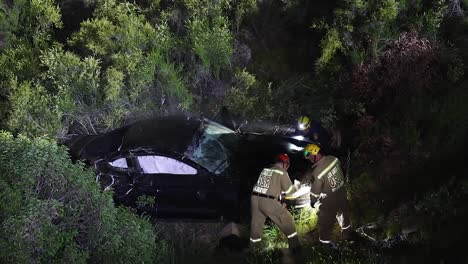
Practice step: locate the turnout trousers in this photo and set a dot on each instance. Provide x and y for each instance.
(262, 208)
(334, 208)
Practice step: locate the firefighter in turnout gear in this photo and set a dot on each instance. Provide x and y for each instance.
(313, 131)
(328, 193)
(265, 202)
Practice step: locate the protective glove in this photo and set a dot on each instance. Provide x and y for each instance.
(317, 205)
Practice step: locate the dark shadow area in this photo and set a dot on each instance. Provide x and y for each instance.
(73, 13)
(282, 39)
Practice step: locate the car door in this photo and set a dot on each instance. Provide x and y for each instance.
(173, 183)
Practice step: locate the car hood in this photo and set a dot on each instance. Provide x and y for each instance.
(257, 151)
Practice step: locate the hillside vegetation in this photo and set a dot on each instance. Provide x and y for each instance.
(390, 75)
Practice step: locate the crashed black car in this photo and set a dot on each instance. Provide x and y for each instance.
(192, 167)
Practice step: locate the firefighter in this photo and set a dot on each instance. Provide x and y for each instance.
(328, 194)
(312, 130)
(265, 202)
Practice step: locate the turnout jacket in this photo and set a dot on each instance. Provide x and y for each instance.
(327, 177)
(272, 181)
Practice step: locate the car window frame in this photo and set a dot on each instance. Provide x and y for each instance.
(204, 124)
(120, 168)
(116, 155)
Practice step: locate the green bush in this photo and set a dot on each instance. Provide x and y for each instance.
(243, 8)
(241, 100)
(52, 211)
(26, 28)
(361, 29)
(330, 44)
(209, 32)
(115, 67)
(32, 110)
(125, 42)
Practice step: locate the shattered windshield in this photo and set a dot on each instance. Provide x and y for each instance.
(213, 146)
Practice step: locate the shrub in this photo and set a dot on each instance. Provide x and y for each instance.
(241, 98)
(32, 110)
(53, 211)
(121, 38)
(243, 8)
(209, 32)
(330, 44)
(26, 28)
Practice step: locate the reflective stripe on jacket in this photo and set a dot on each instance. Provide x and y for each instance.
(272, 181)
(328, 176)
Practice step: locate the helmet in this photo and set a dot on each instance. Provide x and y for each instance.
(284, 158)
(303, 122)
(311, 149)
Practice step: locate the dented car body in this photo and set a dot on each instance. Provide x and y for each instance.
(190, 167)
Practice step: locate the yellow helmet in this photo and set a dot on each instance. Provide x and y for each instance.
(303, 122)
(311, 149)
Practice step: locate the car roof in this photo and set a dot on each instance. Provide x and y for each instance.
(170, 133)
(167, 134)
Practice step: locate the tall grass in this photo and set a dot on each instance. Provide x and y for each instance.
(189, 242)
(198, 243)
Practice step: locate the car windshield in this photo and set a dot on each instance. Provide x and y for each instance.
(213, 146)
